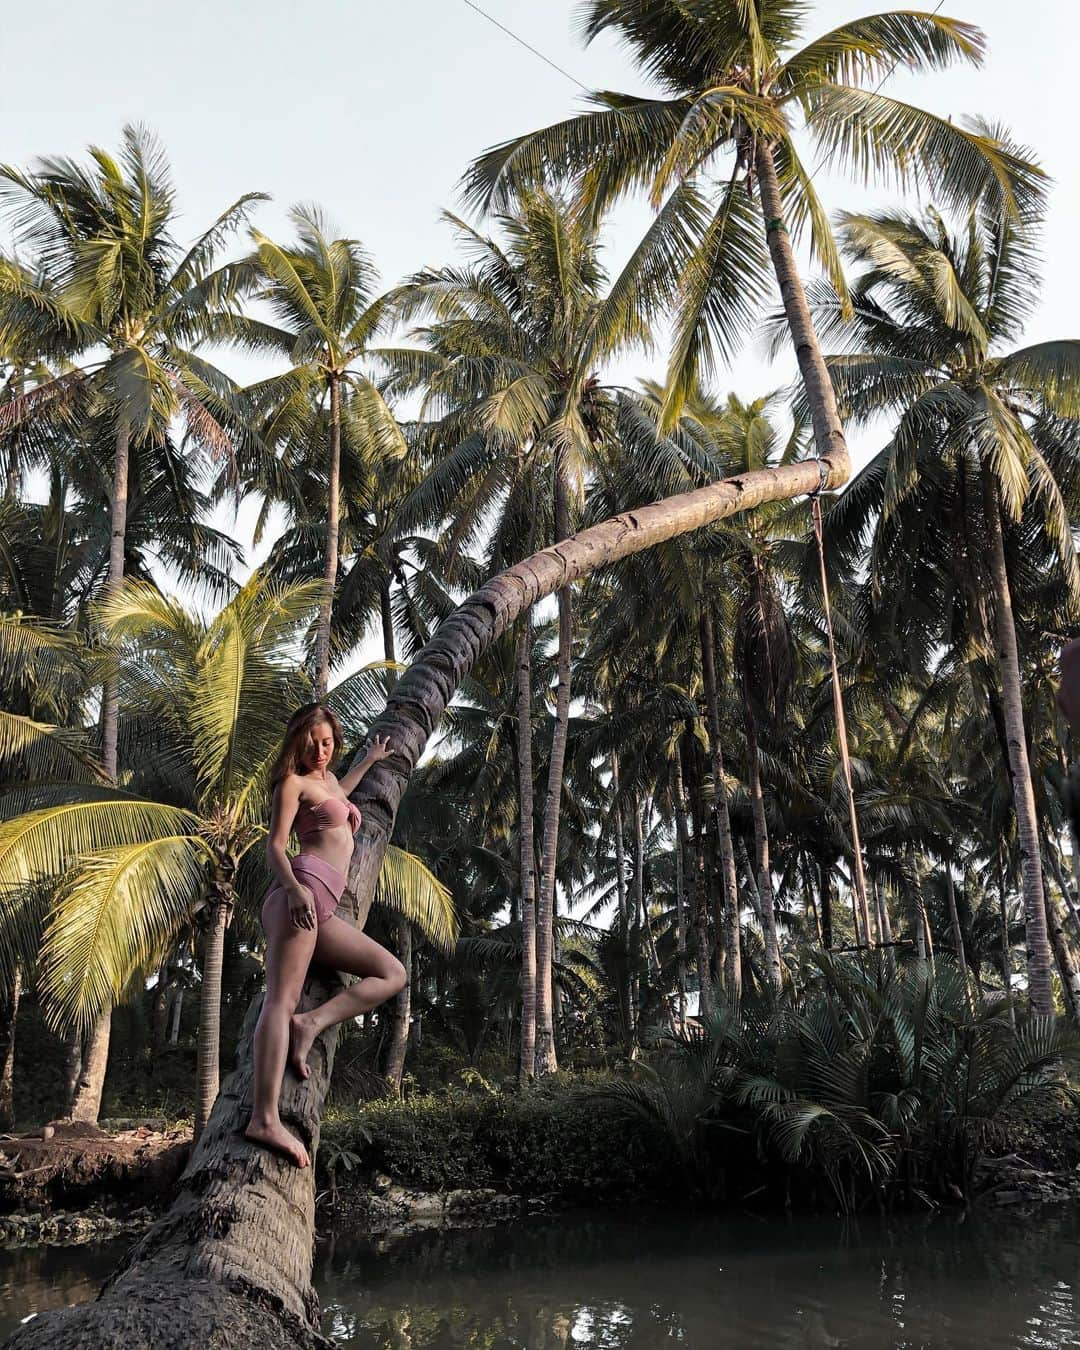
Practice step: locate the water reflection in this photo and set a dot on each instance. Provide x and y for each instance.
(644, 1281)
(37, 1279)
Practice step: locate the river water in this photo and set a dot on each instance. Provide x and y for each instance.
(640, 1281)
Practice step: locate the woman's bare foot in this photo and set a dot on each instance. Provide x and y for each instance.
(302, 1035)
(273, 1135)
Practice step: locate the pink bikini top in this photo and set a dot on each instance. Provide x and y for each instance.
(324, 815)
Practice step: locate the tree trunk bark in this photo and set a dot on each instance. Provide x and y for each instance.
(1027, 820)
(1065, 956)
(526, 851)
(208, 1052)
(402, 1009)
(7, 1051)
(722, 809)
(231, 1260)
(706, 993)
(682, 844)
(546, 1059)
(386, 614)
(954, 923)
(333, 525)
(826, 905)
(110, 694)
(627, 997)
(885, 926)
(73, 1059)
(87, 1101)
(762, 863)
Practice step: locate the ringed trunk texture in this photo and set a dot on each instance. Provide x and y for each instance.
(7, 1051)
(624, 912)
(110, 694)
(1027, 820)
(402, 1008)
(333, 518)
(722, 811)
(546, 1059)
(526, 850)
(230, 1264)
(682, 836)
(762, 863)
(86, 1104)
(73, 1057)
(208, 1054)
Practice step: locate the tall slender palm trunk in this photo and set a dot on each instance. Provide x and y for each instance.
(954, 923)
(86, 1102)
(1040, 991)
(208, 1052)
(526, 849)
(762, 861)
(546, 1059)
(333, 529)
(858, 876)
(722, 813)
(682, 845)
(627, 998)
(401, 1008)
(8, 1018)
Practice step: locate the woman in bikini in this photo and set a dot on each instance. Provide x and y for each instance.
(299, 919)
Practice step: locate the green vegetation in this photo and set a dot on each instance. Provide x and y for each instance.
(765, 827)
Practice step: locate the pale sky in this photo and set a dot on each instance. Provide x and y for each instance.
(373, 110)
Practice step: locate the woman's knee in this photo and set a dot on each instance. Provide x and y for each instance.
(397, 976)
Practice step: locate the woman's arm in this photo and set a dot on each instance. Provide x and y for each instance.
(378, 749)
(283, 808)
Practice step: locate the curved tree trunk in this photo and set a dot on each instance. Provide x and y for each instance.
(333, 519)
(1027, 820)
(722, 810)
(526, 850)
(230, 1264)
(546, 1058)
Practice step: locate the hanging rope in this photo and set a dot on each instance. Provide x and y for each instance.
(858, 876)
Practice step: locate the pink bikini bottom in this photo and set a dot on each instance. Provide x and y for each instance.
(326, 883)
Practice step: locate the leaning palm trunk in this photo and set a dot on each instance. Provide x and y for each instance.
(231, 1260)
(526, 850)
(333, 518)
(1027, 820)
(722, 812)
(1064, 955)
(86, 1104)
(546, 1059)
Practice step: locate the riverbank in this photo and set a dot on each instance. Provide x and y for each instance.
(457, 1159)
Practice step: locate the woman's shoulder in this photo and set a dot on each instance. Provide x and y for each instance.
(289, 786)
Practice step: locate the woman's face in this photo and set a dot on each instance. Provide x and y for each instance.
(319, 750)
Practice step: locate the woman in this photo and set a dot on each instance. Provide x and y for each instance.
(299, 919)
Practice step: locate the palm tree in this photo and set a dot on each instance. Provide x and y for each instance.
(134, 871)
(109, 286)
(733, 94)
(320, 295)
(518, 344)
(976, 489)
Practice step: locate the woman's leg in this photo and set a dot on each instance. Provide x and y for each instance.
(288, 955)
(342, 947)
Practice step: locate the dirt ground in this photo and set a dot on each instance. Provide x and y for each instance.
(79, 1165)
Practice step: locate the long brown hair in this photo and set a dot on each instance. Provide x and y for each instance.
(299, 726)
